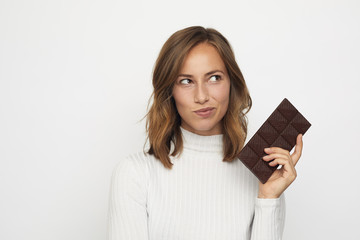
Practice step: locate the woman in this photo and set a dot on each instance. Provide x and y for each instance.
(190, 184)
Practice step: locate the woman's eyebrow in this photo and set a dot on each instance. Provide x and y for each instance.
(207, 74)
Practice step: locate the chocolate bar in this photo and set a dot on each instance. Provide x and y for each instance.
(279, 130)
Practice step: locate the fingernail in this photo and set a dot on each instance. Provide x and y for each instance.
(267, 149)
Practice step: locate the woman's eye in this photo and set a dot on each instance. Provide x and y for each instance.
(215, 78)
(185, 81)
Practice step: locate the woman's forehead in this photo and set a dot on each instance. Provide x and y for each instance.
(202, 58)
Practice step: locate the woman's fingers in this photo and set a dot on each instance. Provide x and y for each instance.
(276, 150)
(298, 149)
(296, 154)
(282, 158)
(278, 158)
(289, 169)
(274, 155)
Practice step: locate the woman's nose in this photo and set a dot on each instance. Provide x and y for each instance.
(201, 94)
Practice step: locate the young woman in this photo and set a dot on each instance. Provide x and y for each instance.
(190, 183)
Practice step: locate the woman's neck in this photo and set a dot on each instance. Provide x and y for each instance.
(211, 143)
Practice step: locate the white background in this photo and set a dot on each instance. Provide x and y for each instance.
(75, 78)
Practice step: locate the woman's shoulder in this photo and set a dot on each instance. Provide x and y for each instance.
(137, 163)
(140, 156)
(131, 176)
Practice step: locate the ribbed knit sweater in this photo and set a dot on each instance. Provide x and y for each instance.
(201, 197)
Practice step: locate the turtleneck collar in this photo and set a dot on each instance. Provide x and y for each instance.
(213, 143)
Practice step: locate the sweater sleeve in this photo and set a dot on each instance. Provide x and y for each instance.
(127, 216)
(269, 219)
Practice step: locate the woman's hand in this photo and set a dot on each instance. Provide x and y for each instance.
(283, 177)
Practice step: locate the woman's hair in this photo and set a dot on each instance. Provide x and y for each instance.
(163, 120)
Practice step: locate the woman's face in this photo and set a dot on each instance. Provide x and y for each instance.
(203, 83)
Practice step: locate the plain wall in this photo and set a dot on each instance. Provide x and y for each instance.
(75, 79)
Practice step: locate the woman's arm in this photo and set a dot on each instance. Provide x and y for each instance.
(127, 205)
(269, 219)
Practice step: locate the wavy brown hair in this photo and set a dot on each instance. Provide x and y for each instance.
(163, 120)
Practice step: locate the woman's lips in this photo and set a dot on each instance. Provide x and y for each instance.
(206, 112)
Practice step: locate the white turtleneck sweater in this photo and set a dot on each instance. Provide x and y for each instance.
(200, 198)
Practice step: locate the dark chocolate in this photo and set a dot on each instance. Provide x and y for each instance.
(279, 130)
